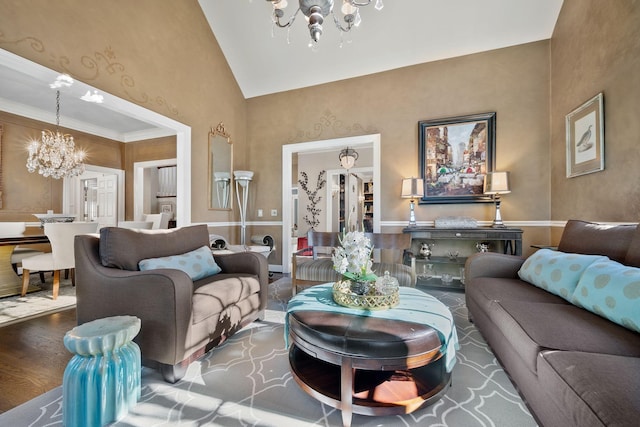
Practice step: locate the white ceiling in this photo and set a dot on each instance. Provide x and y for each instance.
(25, 91)
(403, 33)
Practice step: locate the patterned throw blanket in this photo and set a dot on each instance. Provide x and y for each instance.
(415, 306)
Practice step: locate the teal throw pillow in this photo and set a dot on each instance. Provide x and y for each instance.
(556, 272)
(611, 290)
(197, 264)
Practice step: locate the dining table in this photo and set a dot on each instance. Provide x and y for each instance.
(10, 281)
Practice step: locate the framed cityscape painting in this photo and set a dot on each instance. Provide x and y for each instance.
(585, 138)
(454, 155)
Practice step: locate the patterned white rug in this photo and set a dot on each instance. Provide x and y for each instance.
(17, 309)
(247, 382)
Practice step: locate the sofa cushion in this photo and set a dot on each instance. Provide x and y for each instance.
(597, 239)
(611, 290)
(124, 248)
(197, 264)
(486, 291)
(594, 389)
(555, 271)
(534, 327)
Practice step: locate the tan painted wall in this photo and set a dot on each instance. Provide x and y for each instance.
(158, 54)
(162, 55)
(24, 193)
(596, 48)
(513, 82)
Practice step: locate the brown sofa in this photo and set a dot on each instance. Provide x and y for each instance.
(572, 366)
(181, 318)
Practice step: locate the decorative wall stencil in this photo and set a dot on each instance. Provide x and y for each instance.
(91, 67)
(329, 122)
(314, 198)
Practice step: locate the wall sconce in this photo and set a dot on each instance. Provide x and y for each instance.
(412, 188)
(348, 158)
(496, 183)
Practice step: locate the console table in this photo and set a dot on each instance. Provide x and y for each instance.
(450, 248)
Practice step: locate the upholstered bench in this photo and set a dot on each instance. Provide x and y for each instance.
(371, 362)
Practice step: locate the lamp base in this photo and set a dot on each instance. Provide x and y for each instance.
(412, 214)
(497, 222)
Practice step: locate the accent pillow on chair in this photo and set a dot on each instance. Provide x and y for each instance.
(198, 264)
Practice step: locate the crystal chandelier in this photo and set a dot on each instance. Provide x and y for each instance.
(316, 10)
(55, 155)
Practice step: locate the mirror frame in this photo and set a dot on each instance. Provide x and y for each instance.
(219, 131)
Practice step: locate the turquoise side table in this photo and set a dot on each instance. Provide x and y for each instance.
(102, 380)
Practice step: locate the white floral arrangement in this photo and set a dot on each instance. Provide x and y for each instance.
(353, 258)
(362, 288)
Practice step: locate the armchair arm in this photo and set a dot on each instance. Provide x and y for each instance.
(491, 264)
(302, 251)
(160, 298)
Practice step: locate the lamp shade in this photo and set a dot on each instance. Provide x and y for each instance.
(496, 183)
(412, 188)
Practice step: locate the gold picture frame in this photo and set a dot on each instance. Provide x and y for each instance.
(585, 138)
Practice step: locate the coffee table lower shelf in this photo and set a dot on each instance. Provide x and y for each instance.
(374, 392)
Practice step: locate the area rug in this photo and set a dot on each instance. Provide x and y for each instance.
(17, 309)
(247, 382)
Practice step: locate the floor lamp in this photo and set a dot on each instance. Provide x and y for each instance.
(496, 183)
(242, 183)
(412, 188)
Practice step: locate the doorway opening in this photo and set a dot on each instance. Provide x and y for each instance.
(95, 196)
(145, 183)
(288, 152)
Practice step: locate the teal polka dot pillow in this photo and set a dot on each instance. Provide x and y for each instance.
(611, 290)
(556, 272)
(197, 264)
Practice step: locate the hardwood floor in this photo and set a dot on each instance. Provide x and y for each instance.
(33, 357)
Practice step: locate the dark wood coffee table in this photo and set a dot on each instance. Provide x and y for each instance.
(366, 365)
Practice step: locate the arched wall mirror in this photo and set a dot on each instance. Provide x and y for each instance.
(220, 168)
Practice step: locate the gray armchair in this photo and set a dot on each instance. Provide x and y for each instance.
(181, 319)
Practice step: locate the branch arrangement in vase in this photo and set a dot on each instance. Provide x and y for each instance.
(314, 198)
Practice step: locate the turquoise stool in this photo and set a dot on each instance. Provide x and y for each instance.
(102, 380)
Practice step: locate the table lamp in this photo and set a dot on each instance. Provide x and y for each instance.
(412, 188)
(495, 184)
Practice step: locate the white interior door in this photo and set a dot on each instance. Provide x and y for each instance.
(107, 200)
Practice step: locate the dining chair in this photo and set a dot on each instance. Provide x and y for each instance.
(19, 252)
(160, 220)
(136, 225)
(62, 255)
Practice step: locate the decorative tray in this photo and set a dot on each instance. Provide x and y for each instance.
(371, 300)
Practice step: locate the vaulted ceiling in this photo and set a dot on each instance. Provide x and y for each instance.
(403, 33)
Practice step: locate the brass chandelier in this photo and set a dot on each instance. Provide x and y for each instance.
(55, 154)
(316, 10)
